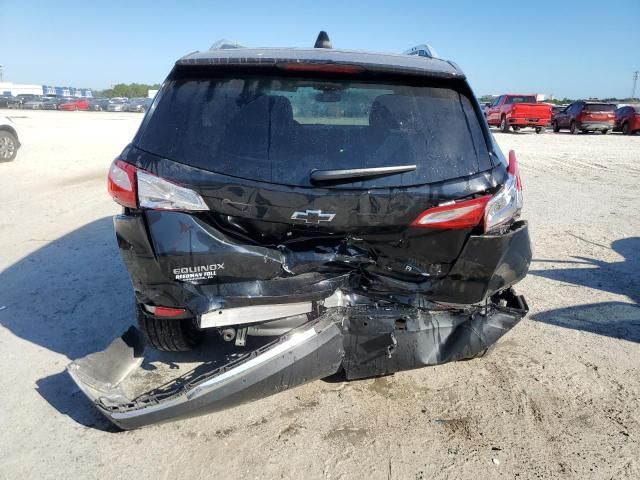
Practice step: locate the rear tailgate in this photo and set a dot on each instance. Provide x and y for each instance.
(256, 231)
(532, 112)
(601, 113)
(248, 144)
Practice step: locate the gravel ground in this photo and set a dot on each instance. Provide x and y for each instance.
(558, 398)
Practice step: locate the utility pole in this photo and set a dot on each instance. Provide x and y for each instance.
(635, 82)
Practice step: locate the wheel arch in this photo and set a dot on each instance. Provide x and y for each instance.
(12, 131)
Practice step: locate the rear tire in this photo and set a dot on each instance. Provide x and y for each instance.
(8, 146)
(539, 130)
(605, 131)
(573, 128)
(556, 127)
(504, 126)
(626, 130)
(169, 334)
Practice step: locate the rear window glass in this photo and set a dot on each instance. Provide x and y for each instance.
(522, 99)
(599, 107)
(280, 129)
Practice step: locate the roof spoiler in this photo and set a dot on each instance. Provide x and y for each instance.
(422, 50)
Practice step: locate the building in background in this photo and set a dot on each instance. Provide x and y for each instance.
(8, 88)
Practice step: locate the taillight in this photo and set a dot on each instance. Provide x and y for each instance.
(463, 214)
(506, 204)
(121, 183)
(134, 188)
(496, 210)
(160, 194)
(167, 312)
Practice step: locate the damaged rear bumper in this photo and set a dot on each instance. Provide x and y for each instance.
(363, 341)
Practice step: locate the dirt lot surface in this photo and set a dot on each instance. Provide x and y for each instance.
(558, 398)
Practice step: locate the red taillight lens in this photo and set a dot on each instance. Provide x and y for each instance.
(121, 183)
(464, 214)
(167, 312)
(495, 210)
(321, 67)
(135, 188)
(513, 169)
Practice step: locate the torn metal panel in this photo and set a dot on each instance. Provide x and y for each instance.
(365, 341)
(239, 274)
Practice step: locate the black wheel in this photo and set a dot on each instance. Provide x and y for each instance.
(539, 130)
(516, 128)
(556, 127)
(626, 130)
(573, 128)
(169, 334)
(605, 131)
(8, 146)
(504, 126)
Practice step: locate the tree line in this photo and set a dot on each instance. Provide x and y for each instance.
(129, 90)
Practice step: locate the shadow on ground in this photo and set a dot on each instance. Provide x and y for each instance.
(612, 319)
(73, 297)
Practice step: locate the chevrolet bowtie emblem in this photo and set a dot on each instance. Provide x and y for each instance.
(312, 216)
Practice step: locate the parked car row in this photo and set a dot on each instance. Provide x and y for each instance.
(519, 111)
(36, 102)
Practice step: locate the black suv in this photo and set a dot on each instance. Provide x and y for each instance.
(353, 206)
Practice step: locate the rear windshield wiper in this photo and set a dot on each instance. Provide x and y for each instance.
(336, 175)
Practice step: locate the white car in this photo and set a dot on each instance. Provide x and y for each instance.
(9, 143)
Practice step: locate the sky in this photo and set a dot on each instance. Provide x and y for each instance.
(565, 48)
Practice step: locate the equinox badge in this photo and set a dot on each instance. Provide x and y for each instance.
(312, 216)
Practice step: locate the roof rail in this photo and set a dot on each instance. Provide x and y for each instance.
(224, 44)
(422, 50)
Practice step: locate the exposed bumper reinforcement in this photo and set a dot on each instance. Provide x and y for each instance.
(363, 341)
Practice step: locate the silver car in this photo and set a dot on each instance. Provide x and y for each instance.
(138, 105)
(35, 103)
(116, 107)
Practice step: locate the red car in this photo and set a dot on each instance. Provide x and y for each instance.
(75, 104)
(585, 117)
(518, 111)
(627, 120)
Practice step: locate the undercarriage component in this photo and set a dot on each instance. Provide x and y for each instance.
(364, 341)
(241, 337)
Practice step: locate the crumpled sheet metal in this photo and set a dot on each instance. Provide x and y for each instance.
(253, 274)
(362, 341)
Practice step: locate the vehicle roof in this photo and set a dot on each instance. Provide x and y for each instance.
(381, 62)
